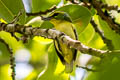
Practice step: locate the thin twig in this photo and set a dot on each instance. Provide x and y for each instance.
(12, 59)
(107, 7)
(108, 19)
(86, 68)
(16, 18)
(41, 12)
(73, 1)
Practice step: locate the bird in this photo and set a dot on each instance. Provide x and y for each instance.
(62, 22)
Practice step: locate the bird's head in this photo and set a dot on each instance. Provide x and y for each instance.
(59, 15)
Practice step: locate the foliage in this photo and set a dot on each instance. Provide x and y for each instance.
(38, 55)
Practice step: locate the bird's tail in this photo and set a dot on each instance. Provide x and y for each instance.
(69, 67)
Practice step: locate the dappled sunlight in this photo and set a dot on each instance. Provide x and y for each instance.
(5, 72)
(22, 55)
(83, 59)
(23, 70)
(42, 40)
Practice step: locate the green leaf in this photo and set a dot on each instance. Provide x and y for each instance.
(11, 41)
(87, 35)
(80, 15)
(4, 54)
(10, 8)
(42, 5)
(35, 22)
(38, 54)
(108, 69)
(110, 34)
(96, 42)
(46, 25)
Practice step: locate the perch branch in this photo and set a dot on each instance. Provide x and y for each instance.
(53, 34)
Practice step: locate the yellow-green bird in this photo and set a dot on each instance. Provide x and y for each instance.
(63, 23)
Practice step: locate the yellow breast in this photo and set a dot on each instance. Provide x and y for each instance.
(64, 26)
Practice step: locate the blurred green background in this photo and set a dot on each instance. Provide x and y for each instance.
(37, 59)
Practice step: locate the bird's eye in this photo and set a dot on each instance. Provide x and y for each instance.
(56, 14)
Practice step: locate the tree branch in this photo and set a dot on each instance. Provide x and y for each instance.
(73, 1)
(41, 12)
(108, 19)
(53, 34)
(106, 41)
(106, 6)
(12, 59)
(100, 32)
